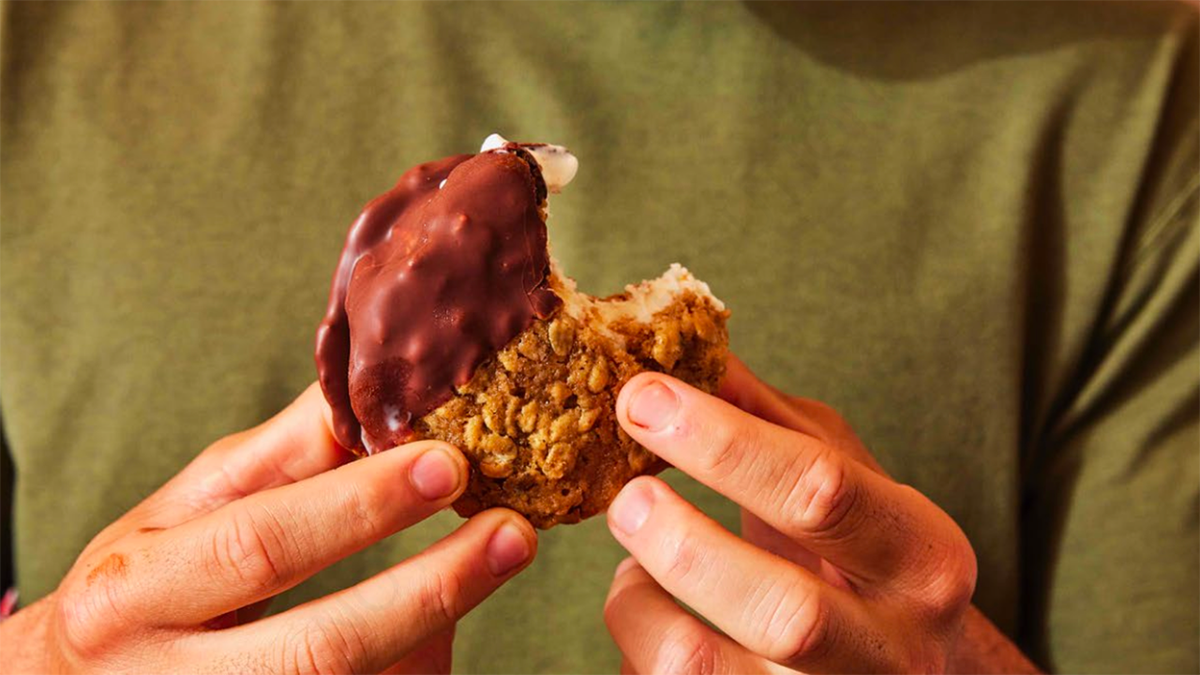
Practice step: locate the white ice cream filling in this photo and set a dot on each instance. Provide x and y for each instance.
(557, 163)
(642, 301)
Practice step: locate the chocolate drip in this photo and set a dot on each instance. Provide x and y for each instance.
(431, 282)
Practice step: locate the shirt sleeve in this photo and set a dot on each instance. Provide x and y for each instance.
(1111, 503)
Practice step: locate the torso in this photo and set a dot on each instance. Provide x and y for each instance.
(178, 180)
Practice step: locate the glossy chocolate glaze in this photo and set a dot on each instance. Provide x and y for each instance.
(431, 282)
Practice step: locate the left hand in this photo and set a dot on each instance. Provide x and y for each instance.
(839, 568)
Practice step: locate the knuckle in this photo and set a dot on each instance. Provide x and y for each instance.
(687, 650)
(769, 608)
(821, 494)
(802, 635)
(722, 453)
(88, 619)
(249, 548)
(440, 598)
(685, 557)
(952, 584)
(365, 504)
(319, 648)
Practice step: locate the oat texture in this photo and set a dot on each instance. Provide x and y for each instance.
(537, 420)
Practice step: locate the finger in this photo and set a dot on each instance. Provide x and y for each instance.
(434, 656)
(626, 667)
(374, 624)
(293, 445)
(770, 606)
(239, 616)
(256, 547)
(869, 526)
(762, 535)
(744, 389)
(656, 635)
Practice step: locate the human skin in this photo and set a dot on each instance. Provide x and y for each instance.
(179, 583)
(838, 568)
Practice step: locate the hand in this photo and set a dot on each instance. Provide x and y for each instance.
(839, 568)
(178, 583)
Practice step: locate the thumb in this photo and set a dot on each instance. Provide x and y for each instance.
(293, 445)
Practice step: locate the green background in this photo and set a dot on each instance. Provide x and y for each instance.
(970, 228)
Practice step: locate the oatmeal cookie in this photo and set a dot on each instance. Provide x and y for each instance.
(449, 320)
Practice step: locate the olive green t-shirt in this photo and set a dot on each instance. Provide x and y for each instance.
(971, 228)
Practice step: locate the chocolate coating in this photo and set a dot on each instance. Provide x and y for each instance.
(430, 284)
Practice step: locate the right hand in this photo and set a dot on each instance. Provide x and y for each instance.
(179, 582)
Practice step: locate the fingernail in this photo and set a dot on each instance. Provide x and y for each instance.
(626, 565)
(434, 475)
(506, 550)
(631, 508)
(653, 406)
